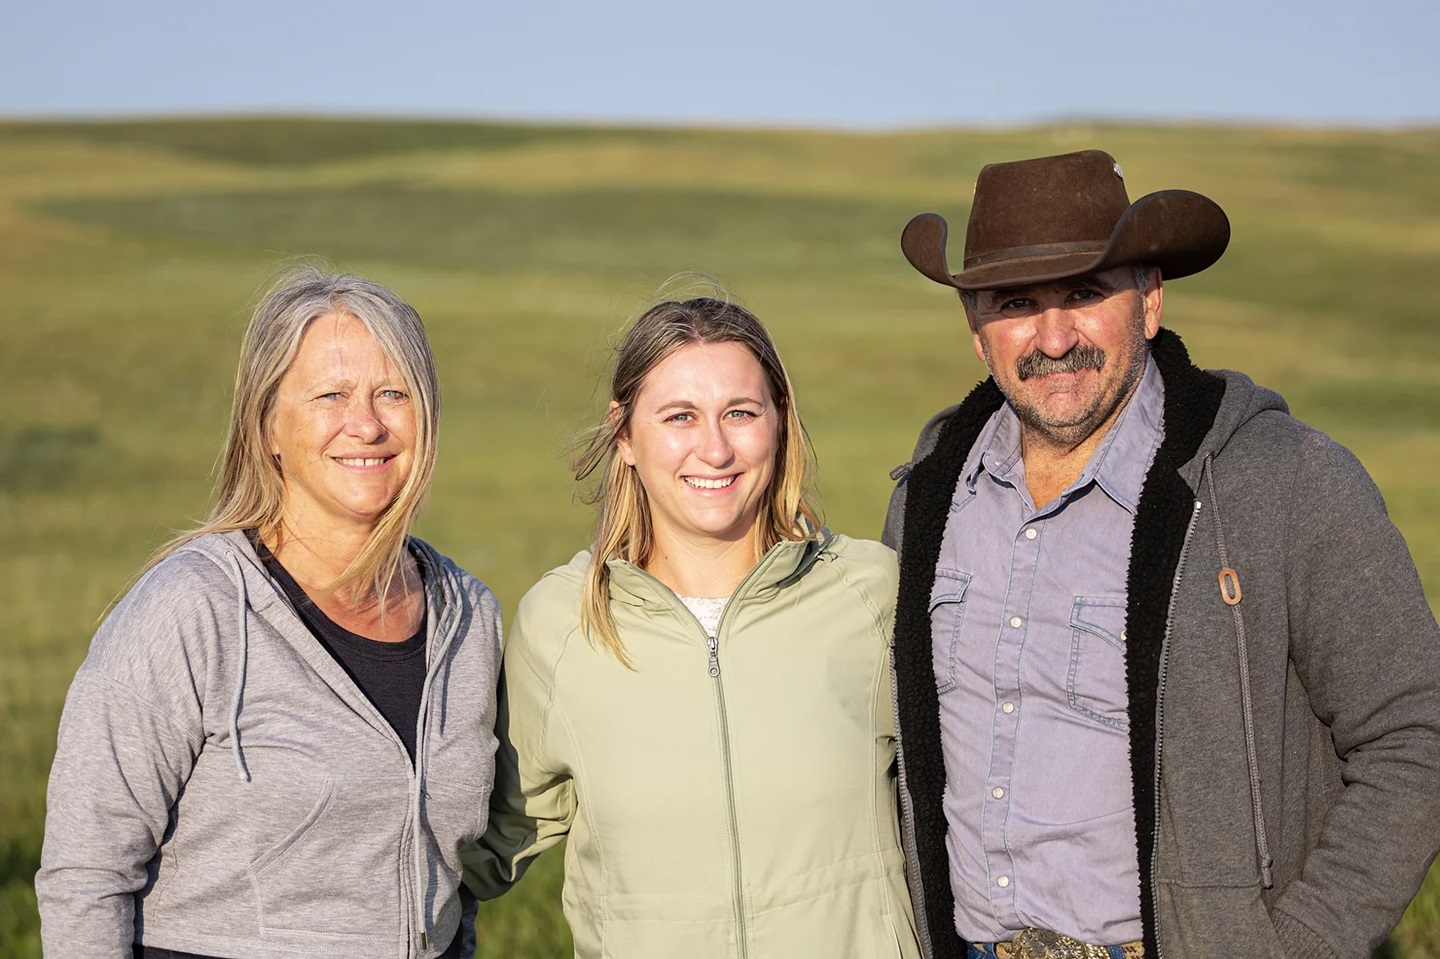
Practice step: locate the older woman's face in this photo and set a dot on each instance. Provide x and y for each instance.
(342, 430)
(703, 437)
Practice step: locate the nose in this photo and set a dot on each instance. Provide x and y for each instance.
(364, 424)
(714, 448)
(1055, 333)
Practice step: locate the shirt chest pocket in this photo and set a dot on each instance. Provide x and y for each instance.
(1095, 681)
(947, 616)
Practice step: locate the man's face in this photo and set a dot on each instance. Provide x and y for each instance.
(1068, 354)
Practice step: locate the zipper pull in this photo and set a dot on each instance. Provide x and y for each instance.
(714, 644)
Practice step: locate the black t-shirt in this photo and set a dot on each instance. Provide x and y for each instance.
(391, 675)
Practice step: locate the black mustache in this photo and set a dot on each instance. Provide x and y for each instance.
(1082, 356)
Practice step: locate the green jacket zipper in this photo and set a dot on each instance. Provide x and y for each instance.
(712, 669)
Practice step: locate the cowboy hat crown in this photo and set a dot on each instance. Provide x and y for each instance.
(1054, 217)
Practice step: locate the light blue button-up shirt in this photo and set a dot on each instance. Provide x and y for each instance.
(1028, 624)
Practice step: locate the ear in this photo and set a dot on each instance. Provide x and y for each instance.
(622, 438)
(1154, 299)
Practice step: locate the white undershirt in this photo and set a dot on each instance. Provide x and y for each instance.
(707, 609)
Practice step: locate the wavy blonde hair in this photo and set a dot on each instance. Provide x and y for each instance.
(250, 493)
(623, 527)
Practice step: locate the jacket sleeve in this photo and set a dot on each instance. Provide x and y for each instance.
(128, 738)
(533, 801)
(1365, 644)
(871, 569)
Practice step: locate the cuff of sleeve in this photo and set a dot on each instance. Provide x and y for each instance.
(1298, 939)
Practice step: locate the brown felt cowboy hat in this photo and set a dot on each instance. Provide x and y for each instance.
(1045, 219)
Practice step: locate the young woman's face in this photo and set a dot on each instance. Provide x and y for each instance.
(703, 436)
(342, 430)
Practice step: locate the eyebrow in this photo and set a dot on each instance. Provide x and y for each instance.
(692, 405)
(1090, 279)
(1065, 283)
(329, 383)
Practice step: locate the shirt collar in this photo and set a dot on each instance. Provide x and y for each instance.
(1118, 466)
(987, 456)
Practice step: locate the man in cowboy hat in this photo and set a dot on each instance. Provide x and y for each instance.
(1166, 680)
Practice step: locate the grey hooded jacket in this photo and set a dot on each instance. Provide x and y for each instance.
(222, 787)
(1285, 750)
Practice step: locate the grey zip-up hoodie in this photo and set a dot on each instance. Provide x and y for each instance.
(1283, 673)
(222, 787)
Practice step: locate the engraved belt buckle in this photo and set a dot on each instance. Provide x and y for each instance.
(1048, 944)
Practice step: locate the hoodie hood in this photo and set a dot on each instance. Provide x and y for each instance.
(1243, 401)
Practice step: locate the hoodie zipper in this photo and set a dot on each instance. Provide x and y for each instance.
(444, 628)
(1160, 720)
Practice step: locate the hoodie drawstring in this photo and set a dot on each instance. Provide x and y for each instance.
(1230, 593)
(241, 615)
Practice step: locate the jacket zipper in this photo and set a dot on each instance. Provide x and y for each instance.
(907, 836)
(738, 893)
(1160, 721)
(742, 938)
(712, 644)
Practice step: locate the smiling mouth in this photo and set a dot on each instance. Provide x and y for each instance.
(362, 460)
(700, 483)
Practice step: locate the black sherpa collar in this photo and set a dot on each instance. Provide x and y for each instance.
(1192, 399)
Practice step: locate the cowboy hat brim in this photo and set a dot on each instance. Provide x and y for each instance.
(1177, 230)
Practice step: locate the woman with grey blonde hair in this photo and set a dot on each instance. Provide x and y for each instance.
(275, 744)
(701, 701)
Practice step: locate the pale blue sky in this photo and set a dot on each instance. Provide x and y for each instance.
(837, 63)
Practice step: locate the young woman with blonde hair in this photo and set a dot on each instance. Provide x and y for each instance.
(702, 703)
(275, 743)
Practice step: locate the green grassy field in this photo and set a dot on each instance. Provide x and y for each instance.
(130, 252)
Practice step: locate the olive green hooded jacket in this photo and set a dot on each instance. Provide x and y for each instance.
(726, 804)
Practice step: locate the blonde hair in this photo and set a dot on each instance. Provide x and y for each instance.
(251, 490)
(623, 527)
